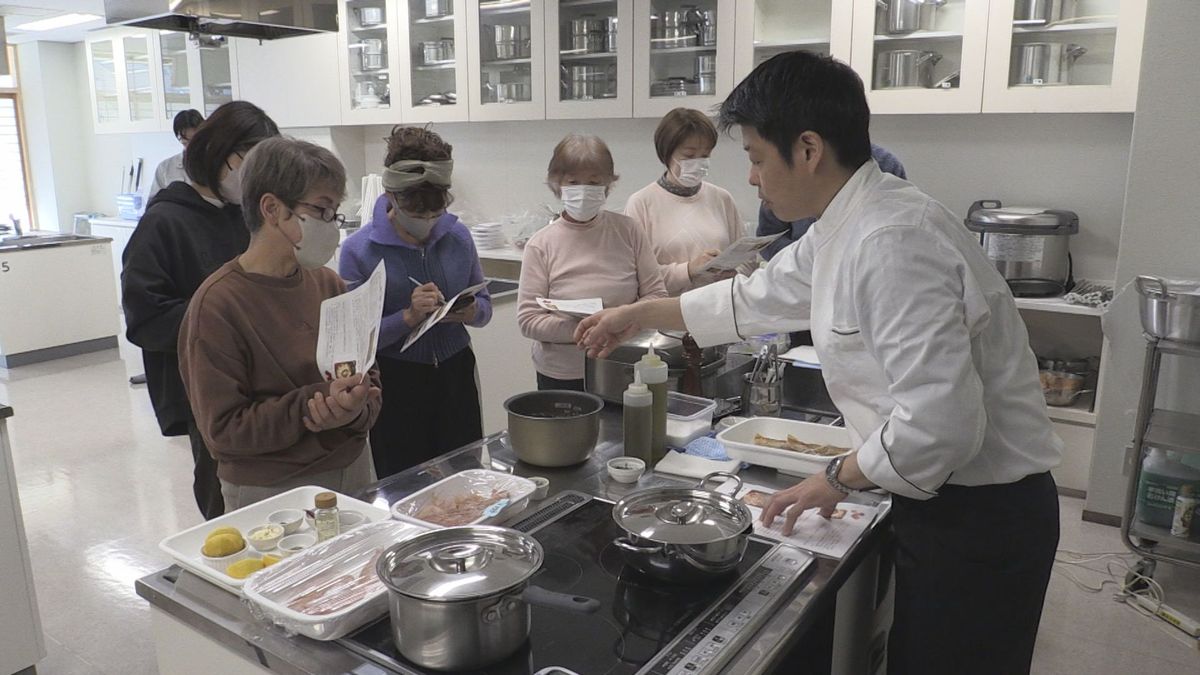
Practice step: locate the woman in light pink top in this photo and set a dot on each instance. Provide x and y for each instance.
(587, 252)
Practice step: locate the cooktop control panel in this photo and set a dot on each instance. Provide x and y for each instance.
(716, 636)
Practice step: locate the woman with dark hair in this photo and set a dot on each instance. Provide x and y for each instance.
(248, 343)
(687, 219)
(188, 231)
(432, 401)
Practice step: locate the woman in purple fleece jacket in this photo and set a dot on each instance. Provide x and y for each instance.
(430, 400)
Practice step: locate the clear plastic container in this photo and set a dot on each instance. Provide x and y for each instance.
(446, 501)
(688, 418)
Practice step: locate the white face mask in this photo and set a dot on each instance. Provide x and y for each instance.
(583, 202)
(231, 186)
(692, 172)
(419, 228)
(318, 241)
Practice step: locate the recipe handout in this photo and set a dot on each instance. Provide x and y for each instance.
(349, 328)
(832, 537)
(581, 308)
(740, 252)
(433, 319)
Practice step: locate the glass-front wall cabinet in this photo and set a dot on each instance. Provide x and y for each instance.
(368, 50)
(434, 52)
(139, 79)
(105, 94)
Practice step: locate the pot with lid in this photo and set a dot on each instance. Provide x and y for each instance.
(1170, 310)
(683, 535)
(1028, 245)
(460, 597)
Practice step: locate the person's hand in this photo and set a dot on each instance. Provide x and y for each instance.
(604, 331)
(345, 402)
(696, 264)
(812, 492)
(464, 315)
(426, 298)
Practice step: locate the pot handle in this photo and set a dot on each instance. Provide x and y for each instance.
(1076, 51)
(1151, 286)
(721, 474)
(628, 546)
(934, 57)
(881, 4)
(536, 595)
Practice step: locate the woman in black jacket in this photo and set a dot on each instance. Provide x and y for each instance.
(189, 229)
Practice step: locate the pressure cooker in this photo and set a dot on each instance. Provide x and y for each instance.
(1028, 245)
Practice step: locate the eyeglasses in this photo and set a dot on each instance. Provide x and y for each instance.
(328, 213)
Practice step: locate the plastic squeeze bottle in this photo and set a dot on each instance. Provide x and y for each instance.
(638, 418)
(654, 373)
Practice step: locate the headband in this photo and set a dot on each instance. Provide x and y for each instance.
(402, 175)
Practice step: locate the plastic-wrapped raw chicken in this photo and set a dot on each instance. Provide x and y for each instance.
(331, 589)
(473, 497)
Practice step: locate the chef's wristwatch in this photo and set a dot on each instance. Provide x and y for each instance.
(831, 475)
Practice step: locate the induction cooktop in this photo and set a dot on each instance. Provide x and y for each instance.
(644, 626)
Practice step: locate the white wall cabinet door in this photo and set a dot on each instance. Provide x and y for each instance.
(683, 54)
(1087, 61)
(507, 55)
(198, 75)
(769, 27)
(369, 48)
(933, 63)
(126, 89)
(589, 59)
(433, 61)
(295, 80)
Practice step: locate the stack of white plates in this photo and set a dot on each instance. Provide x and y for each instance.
(488, 235)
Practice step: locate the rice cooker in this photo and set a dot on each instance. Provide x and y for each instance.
(1028, 245)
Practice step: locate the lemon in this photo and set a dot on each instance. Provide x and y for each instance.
(224, 530)
(222, 545)
(244, 568)
(268, 560)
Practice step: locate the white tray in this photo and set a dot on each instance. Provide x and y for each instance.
(739, 442)
(185, 546)
(466, 482)
(344, 556)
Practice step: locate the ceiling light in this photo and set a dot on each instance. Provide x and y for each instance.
(56, 22)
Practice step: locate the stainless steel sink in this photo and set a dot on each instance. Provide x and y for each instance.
(35, 240)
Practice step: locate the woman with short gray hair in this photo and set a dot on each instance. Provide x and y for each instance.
(247, 348)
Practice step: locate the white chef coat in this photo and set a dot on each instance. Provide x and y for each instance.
(168, 171)
(920, 342)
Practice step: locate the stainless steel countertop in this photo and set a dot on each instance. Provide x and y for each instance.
(222, 616)
(40, 240)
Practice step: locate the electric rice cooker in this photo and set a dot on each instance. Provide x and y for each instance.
(1028, 245)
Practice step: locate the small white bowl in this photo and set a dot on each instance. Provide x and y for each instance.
(219, 564)
(290, 519)
(541, 488)
(269, 534)
(626, 469)
(347, 520)
(295, 543)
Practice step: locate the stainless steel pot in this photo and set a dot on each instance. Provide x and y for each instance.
(900, 17)
(1041, 12)
(369, 16)
(459, 597)
(372, 54)
(610, 34)
(683, 535)
(553, 428)
(609, 377)
(1030, 246)
(436, 8)
(587, 34)
(902, 68)
(1170, 309)
(708, 29)
(431, 52)
(511, 41)
(1045, 63)
(513, 92)
(589, 82)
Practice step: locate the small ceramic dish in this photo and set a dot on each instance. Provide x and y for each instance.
(542, 486)
(220, 564)
(294, 543)
(265, 537)
(290, 519)
(626, 469)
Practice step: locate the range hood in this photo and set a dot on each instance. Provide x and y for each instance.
(259, 19)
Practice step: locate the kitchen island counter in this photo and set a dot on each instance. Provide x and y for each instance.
(188, 609)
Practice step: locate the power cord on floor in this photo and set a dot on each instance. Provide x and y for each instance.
(1131, 587)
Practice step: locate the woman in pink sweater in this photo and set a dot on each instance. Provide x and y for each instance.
(587, 252)
(687, 220)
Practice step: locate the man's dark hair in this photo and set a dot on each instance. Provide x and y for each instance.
(232, 129)
(186, 119)
(801, 91)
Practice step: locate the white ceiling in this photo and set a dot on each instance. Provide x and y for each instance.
(21, 11)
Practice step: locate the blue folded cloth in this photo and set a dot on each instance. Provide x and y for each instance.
(708, 448)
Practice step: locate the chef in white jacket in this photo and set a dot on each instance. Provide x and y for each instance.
(923, 352)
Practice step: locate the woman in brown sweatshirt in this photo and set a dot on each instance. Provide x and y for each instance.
(247, 348)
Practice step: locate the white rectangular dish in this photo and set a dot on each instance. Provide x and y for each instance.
(480, 484)
(739, 442)
(185, 546)
(330, 590)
